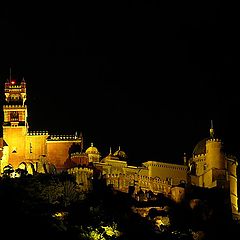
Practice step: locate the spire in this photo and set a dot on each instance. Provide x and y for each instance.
(184, 159)
(11, 81)
(76, 134)
(211, 130)
(110, 151)
(81, 137)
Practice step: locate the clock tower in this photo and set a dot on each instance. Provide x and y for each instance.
(15, 126)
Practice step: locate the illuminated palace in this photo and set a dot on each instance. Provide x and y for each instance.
(38, 151)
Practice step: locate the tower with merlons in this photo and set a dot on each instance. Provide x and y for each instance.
(28, 149)
(15, 126)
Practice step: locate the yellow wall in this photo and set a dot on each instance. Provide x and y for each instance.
(36, 146)
(232, 168)
(208, 179)
(21, 109)
(57, 152)
(214, 154)
(200, 164)
(4, 157)
(165, 171)
(15, 138)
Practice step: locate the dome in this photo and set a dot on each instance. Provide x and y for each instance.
(200, 148)
(120, 154)
(92, 150)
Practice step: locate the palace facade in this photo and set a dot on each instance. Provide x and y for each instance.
(39, 151)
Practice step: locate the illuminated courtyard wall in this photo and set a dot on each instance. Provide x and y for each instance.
(15, 137)
(36, 145)
(58, 152)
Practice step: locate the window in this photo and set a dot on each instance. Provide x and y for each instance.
(30, 148)
(205, 167)
(14, 116)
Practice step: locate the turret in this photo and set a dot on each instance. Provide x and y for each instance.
(93, 154)
(214, 152)
(185, 159)
(15, 94)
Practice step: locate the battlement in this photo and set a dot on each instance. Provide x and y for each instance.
(62, 137)
(77, 170)
(35, 133)
(13, 86)
(199, 155)
(214, 140)
(77, 154)
(14, 106)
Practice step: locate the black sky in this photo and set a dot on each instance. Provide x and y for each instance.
(144, 75)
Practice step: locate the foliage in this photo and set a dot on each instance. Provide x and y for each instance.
(69, 193)
(54, 204)
(7, 170)
(102, 232)
(21, 172)
(52, 192)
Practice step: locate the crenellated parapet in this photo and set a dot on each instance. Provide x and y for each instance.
(202, 155)
(77, 170)
(16, 87)
(62, 137)
(14, 106)
(75, 154)
(214, 140)
(83, 177)
(122, 182)
(36, 133)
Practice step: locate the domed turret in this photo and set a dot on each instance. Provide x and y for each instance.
(200, 147)
(92, 150)
(109, 157)
(93, 154)
(212, 148)
(120, 154)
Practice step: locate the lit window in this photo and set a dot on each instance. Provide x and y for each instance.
(30, 147)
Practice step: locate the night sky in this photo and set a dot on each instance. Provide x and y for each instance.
(146, 76)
